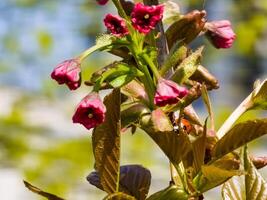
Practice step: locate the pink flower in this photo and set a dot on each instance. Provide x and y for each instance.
(145, 18)
(102, 2)
(168, 92)
(68, 72)
(220, 33)
(90, 112)
(116, 25)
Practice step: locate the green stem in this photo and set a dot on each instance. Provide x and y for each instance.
(87, 52)
(121, 11)
(152, 66)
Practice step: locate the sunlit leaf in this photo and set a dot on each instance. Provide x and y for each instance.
(171, 12)
(233, 189)
(119, 196)
(174, 59)
(256, 187)
(199, 147)
(161, 121)
(134, 180)
(215, 174)
(168, 141)
(186, 29)
(259, 96)
(106, 144)
(41, 193)
(239, 135)
(170, 193)
(188, 66)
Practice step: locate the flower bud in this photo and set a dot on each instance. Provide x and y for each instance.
(220, 33)
(90, 112)
(69, 73)
(145, 18)
(116, 25)
(102, 2)
(168, 92)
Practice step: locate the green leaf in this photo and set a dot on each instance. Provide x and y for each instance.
(117, 74)
(174, 59)
(119, 196)
(206, 99)
(168, 141)
(216, 173)
(239, 135)
(259, 96)
(170, 193)
(171, 12)
(41, 193)
(256, 187)
(106, 144)
(132, 114)
(188, 66)
(233, 189)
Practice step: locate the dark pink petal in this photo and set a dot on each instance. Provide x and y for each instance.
(220, 33)
(90, 112)
(168, 92)
(116, 25)
(145, 18)
(68, 72)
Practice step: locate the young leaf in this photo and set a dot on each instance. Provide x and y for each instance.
(171, 12)
(106, 144)
(132, 114)
(40, 192)
(233, 189)
(186, 29)
(199, 147)
(256, 187)
(215, 174)
(119, 196)
(206, 99)
(259, 96)
(239, 135)
(188, 66)
(135, 90)
(168, 141)
(134, 180)
(174, 59)
(170, 193)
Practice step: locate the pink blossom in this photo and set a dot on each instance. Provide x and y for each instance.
(68, 72)
(168, 92)
(90, 112)
(220, 33)
(145, 18)
(116, 25)
(102, 2)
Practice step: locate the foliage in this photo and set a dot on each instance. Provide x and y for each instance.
(201, 158)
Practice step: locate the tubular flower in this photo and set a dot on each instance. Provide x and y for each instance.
(102, 2)
(116, 25)
(68, 72)
(168, 92)
(90, 112)
(145, 18)
(220, 33)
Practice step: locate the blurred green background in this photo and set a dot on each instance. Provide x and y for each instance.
(38, 141)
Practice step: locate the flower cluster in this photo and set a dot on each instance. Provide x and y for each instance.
(143, 18)
(158, 90)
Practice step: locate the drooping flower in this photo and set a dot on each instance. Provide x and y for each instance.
(145, 18)
(168, 92)
(220, 33)
(68, 72)
(102, 2)
(116, 25)
(90, 112)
